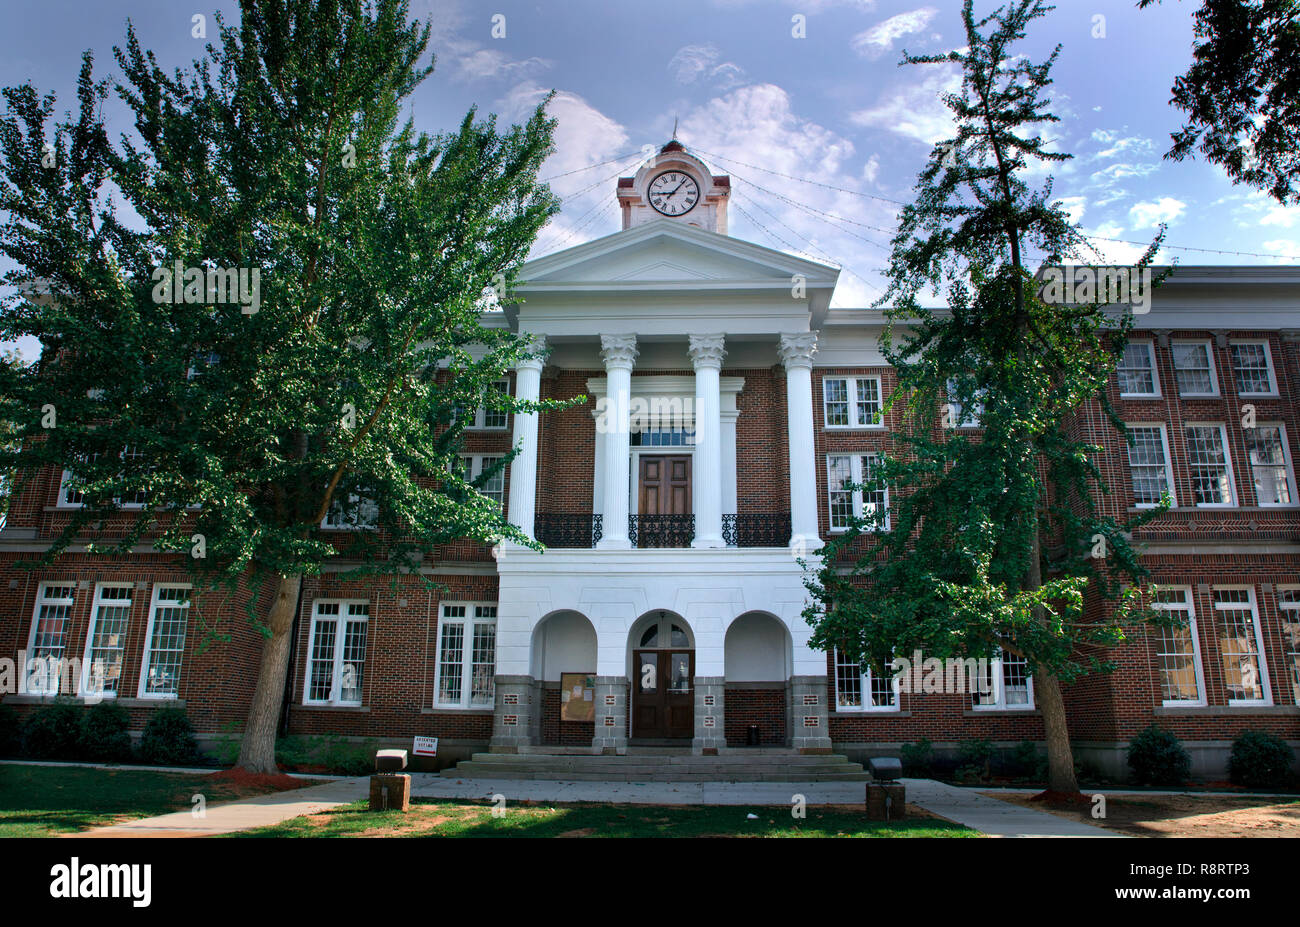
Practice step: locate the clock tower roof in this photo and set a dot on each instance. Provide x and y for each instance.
(675, 184)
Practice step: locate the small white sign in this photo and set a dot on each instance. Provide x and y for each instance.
(425, 746)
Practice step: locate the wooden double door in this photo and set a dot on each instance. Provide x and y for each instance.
(663, 693)
(665, 484)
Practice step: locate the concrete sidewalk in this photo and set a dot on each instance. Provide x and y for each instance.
(964, 806)
(240, 815)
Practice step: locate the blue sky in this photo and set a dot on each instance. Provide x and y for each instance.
(757, 103)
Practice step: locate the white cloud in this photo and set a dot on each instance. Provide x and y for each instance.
(694, 62)
(464, 59)
(915, 109)
(1148, 215)
(1286, 249)
(879, 39)
(1074, 207)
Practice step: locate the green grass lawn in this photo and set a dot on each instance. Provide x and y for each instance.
(42, 801)
(439, 818)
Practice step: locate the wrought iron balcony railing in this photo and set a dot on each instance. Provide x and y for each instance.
(567, 530)
(756, 530)
(661, 530)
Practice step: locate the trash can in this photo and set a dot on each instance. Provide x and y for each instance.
(751, 736)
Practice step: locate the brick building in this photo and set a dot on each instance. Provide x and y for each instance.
(726, 406)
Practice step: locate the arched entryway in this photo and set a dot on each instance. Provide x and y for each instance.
(563, 663)
(758, 654)
(661, 676)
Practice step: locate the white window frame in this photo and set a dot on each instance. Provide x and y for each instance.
(470, 621)
(478, 423)
(1000, 689)
(855, 476)
(62, 500)
(87, 666)
(340, 621)
(1189, 606)
(336, 513)
(865, 677)
(43, 599)
(958, 415)
(1169, 463)
(855, 407)
(1291, 649)
(1209, 355)
(475, 469)
(146, 661)
(1286, 461)
(1271, 369)
(1155, 372)
(1227, 462)
(1260, 656)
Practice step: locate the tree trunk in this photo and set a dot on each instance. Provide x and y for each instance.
(257, 751)
(1061, 783)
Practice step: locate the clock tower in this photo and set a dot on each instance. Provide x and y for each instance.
(676, 185)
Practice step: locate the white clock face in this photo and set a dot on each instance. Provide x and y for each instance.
(674, 193)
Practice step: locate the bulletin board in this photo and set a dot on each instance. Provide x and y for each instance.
(577, 697)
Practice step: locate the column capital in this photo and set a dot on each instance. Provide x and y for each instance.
(707, 351)
(618, 350)
(536, 346)
(797, 350)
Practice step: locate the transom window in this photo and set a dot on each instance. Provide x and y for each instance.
(1194, 368)
(465, 675)
(1244, 674)
(48, 642)
(676, 636)
(1288, 608)
(1252, 368)
(336, 662)
(160, 673)
(473, 466)
(1007, 685)
(852, 402)
(1207, 461)
(847, 504)
(1148, 463)
(674, 436)
(1270, 465)
(1178, 649)
(1137, 370)
(101, 668)
(859, 688)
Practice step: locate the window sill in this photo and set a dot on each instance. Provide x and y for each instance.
(456, 711)
(26, 699)
(869, 713)
(1226, 710)
(309, 706)
(1000, 712)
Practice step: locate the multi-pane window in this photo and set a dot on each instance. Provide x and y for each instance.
(1288, 607)
(843, 472)
(1244, 674)
(474, 466)
(466, 661)
(1178, 651)
(672, 436)
(1194, 368)
(336, 653)
(1148, 463)
(859, 688)
(357, 513)
(1006, 686)
(487, 417)
(1270, 465)
(160, 674)
(48, 643)
(67, 495)
(101, 668)
(70, 497)
(958, 415)
(1137, 370)
(851, 402)
(1252, 368)
(1207, 462)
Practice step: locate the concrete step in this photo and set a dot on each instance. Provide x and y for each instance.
(621, 776)
(532, 759)
(644, 766)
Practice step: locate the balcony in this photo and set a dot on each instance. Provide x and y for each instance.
(662, 531)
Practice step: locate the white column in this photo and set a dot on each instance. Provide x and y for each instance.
(619, 353)
(796, 354)
(706, 353)
(523, 469)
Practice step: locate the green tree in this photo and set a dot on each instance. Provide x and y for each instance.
(361, 253)
(1241, 94)
(8, 359)
(992, 535)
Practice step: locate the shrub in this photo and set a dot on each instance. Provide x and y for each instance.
(973, 758)
(1157, 757)
(10, 731)
(1260, 761)
(1025, 762)
(53, 732)
(328, 753)
(104, 734)
(917, 758)
(168, 739)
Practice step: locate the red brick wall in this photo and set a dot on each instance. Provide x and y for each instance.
(762, 706)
